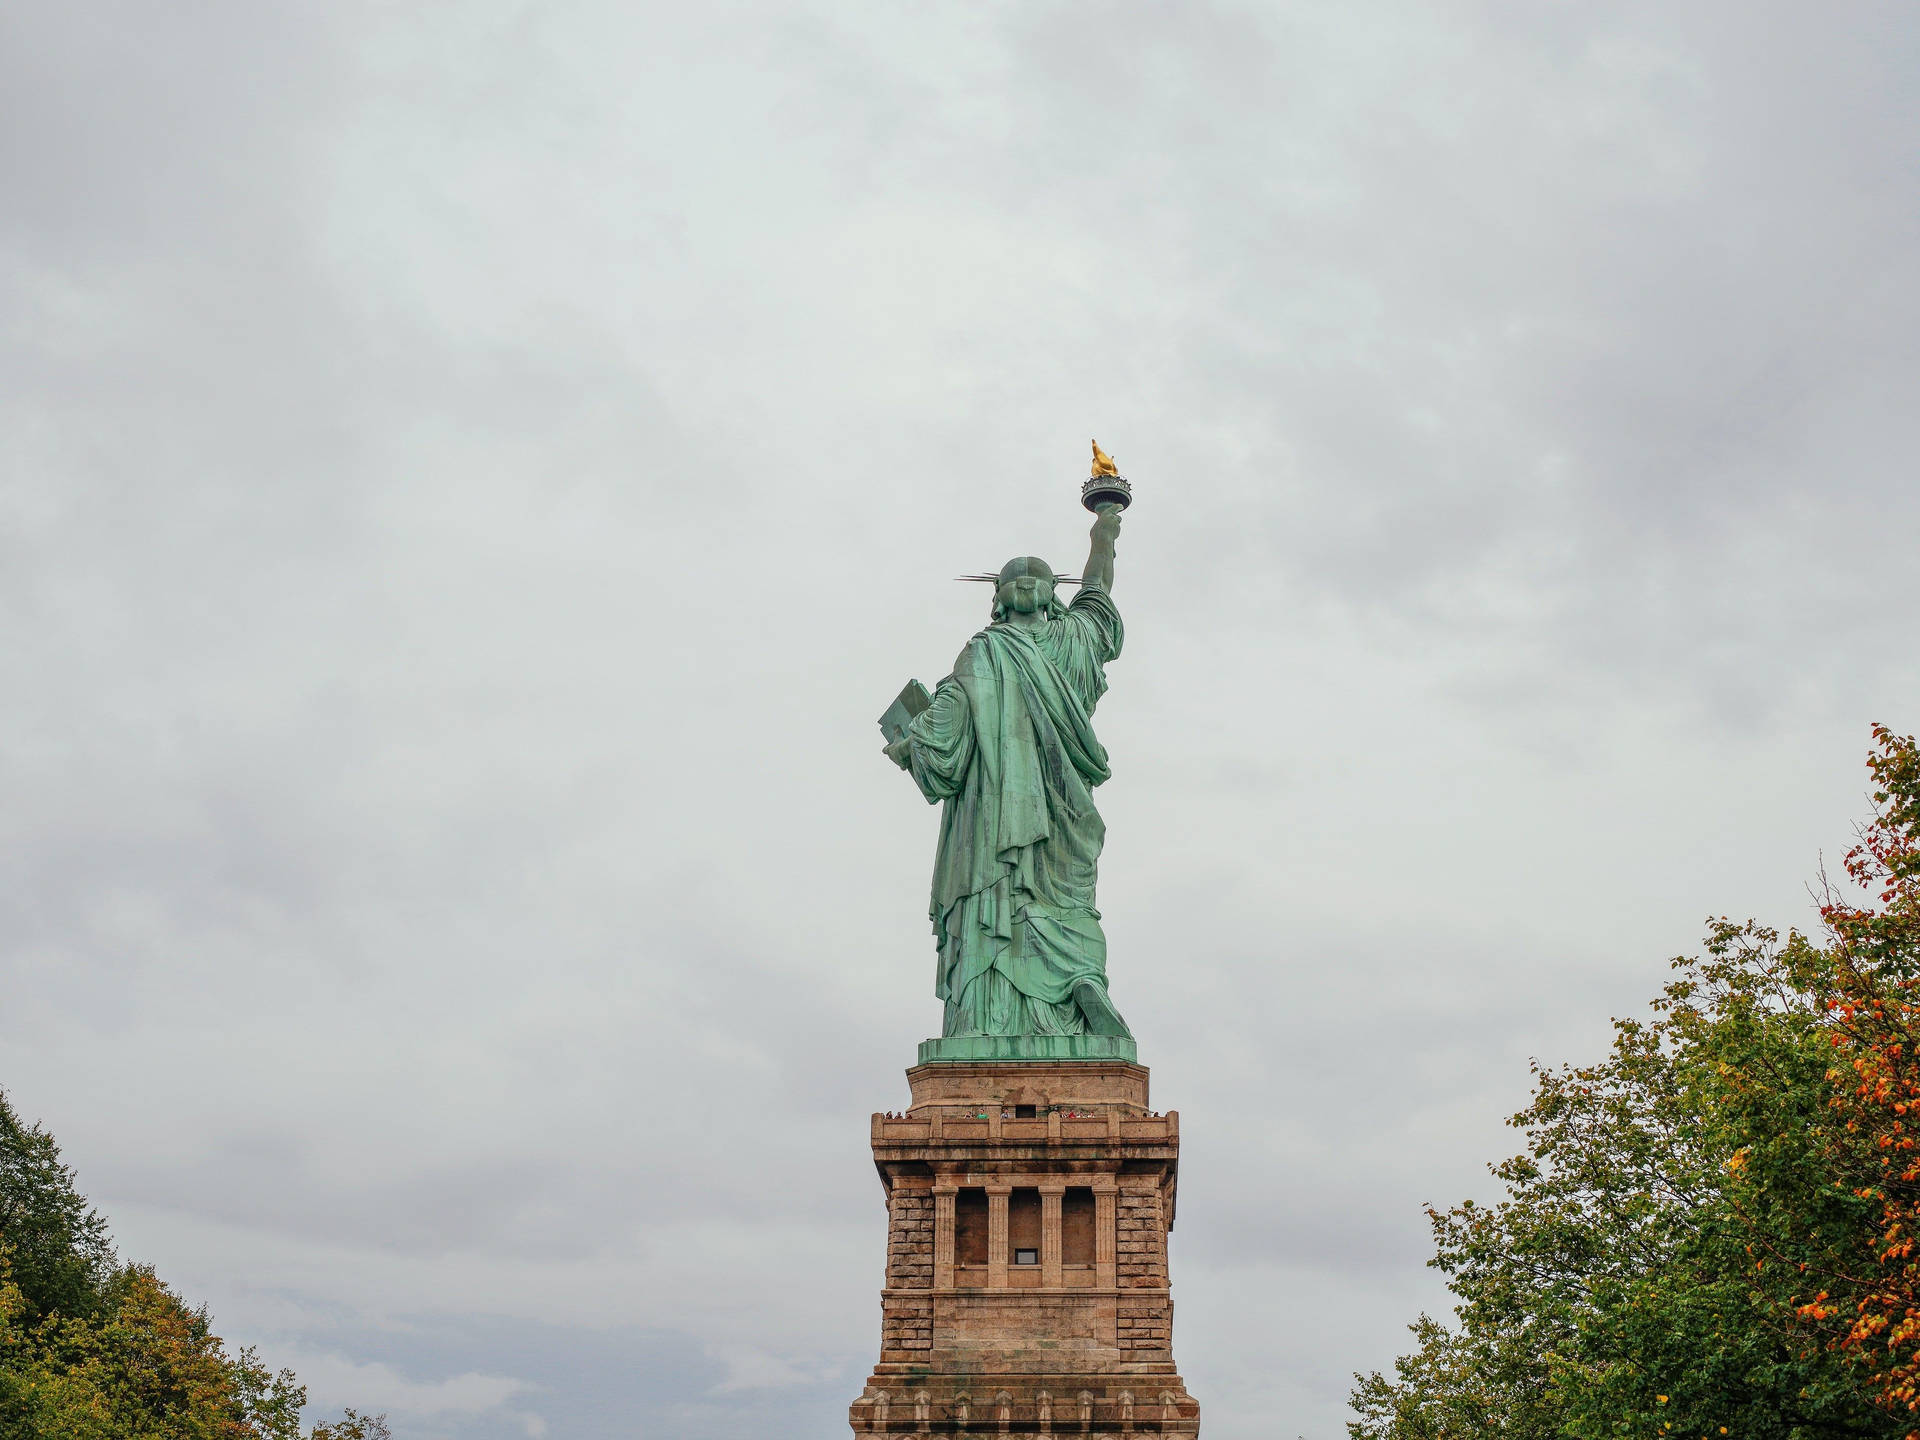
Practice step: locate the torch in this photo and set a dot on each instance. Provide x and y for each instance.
(1106, 486)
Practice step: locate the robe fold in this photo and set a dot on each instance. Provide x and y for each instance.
(1008, 747)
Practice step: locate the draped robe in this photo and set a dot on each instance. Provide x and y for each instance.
(1007, 746)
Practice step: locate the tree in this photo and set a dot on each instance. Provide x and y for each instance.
(147, 1367)
(58, 1247)
(1870, 988)
(354, 1426)
(1711, 1231)
(94, 1350)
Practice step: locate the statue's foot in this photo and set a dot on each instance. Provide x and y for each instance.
(1102, 1018)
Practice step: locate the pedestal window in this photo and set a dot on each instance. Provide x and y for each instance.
(1076, 1226)
(1023, 1226)
(970, 1227)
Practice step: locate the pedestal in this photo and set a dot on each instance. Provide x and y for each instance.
(1026, 1290)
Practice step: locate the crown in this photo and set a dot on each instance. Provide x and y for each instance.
(995, 579)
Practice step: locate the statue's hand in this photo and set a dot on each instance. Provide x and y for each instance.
(900, 752)
(1106, 525)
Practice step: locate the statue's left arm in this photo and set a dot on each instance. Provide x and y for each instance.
(939, 743)
(1097, 574)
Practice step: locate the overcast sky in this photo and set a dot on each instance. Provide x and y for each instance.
(473, 473)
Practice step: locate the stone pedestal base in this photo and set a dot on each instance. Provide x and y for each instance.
(1027, 1293)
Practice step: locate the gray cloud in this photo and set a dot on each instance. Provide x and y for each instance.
(474, 473)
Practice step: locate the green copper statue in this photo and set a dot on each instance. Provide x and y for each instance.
(1007, 746)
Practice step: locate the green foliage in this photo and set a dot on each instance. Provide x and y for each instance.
(92, 1350)
(1645, 1272)
(149, 1367)
(1482, 1383)
(61, 1258)
(1707, 1232)
(354, 1426)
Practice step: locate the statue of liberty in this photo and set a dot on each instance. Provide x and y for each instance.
(1006, 745)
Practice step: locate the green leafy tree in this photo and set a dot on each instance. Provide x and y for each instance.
(93, 1350)
(1711, 1232)
(150, 1368)
(58, 1248)
(354, 1426)
(1644, 1273)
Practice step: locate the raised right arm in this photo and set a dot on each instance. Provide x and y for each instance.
(1097, 574)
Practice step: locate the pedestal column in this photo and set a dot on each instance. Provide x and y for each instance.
(1105, 1232)
(1050, 1198)
(997, 1236)
(943, 1236)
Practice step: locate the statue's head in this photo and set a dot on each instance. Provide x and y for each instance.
(1024, 586)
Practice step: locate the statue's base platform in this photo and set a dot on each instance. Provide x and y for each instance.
(976, 1048)
(1026, 1292)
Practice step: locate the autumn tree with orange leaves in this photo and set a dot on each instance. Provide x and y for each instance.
(1872, 998)
(1712, 1231)
(93, 1349)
